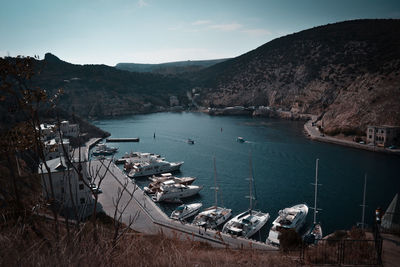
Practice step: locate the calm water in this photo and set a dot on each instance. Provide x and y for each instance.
(283, 164)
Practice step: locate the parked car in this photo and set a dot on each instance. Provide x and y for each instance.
(392, 147)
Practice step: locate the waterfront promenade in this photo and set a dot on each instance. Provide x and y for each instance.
(314, 134)
(149, 218)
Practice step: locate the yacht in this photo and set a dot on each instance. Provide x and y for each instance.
(174, 192)
(289, 218)
(186, 211)
(135, 157)
(247, 223)
(314, 234)
(155, 186)
(103, 149)
(152, 167)
(214, 216)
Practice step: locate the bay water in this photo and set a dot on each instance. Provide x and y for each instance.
(283, 165)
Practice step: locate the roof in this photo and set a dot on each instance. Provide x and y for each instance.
(56, 165)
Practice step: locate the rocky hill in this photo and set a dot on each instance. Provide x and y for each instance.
(169, 67)
(100, 91)
(347, 72)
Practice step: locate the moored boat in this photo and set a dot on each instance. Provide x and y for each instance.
(289, 218)
(176, 191)
(247, 223)
(103, 149)
(186, 211)
(214, 216)
(153, 167)
(155, 186)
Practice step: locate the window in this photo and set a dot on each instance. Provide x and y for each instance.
(80, 186)
(370, 136)
(62, 190)
(82, 200)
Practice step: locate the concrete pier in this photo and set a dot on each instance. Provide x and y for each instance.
(149, 218)
(117, 140)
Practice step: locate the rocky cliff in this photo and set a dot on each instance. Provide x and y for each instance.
(348, 73)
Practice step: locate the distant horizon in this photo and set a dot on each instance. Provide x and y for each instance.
(156, 32)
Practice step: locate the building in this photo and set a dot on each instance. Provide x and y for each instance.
(173, 101)
(53, 148)
(70, 191)
(48, 131)
(69, 130)
(383, 136)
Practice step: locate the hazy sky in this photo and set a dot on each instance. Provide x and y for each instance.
(155, 31)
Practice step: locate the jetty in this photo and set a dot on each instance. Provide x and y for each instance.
(118, 140)
(148, 218)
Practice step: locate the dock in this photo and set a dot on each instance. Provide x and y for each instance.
(117, 140)
(150, 219)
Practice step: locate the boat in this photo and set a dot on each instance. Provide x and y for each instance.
(314, 234)
(288, 218)
(134, 157)
(240, 139)
(152, 167)
(103, 149)
(247, 223)
(214, 216)
(155, 186)
(174, 192)
(186, 211)
(190, 141)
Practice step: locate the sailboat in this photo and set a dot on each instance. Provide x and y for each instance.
(247, 223)
(213, 216)
(315, 232)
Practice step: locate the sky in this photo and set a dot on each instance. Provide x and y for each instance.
(157, 31)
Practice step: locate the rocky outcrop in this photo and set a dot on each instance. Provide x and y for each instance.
(348, 73)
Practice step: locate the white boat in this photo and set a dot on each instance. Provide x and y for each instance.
(315, 232)
(186, 211)
(247, 223)
(152, 167)
(240, 139)
(134, 157)
(214, 216)
(103, 149)
(155, 186)
(289, 218)
(174, 192)
(190, 141)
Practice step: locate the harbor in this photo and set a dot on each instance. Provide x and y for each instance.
(149, 218)
(277, 146)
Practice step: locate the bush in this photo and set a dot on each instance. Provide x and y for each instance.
(289, 239)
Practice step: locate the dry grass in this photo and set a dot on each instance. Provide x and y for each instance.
(21, 245)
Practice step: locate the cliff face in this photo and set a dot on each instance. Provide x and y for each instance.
(348, 73)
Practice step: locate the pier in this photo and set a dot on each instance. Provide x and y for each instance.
(150, 219)
(117, 140)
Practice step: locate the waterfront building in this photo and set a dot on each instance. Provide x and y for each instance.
(384, 135)
(173, 101)
(69, 130)
(47, 131)
(53, 148)
(70, 192)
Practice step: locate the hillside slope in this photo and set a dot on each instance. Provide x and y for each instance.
(99, 90)
(347, 72)
(169, 67)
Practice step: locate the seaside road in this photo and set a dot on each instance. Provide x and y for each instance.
(150, 219)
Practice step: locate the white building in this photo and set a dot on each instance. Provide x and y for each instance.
(48, 131)
(53, 148)
(69, 189)
(69, 130)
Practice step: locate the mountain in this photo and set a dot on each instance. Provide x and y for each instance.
(170, 67)
(348, 73)
(99, 90)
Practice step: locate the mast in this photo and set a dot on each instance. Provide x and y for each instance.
(250, 183)
(363, 205)
(316, 191)
(315, 208)
(215, 185)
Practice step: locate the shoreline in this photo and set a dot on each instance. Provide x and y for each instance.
(314, 134)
